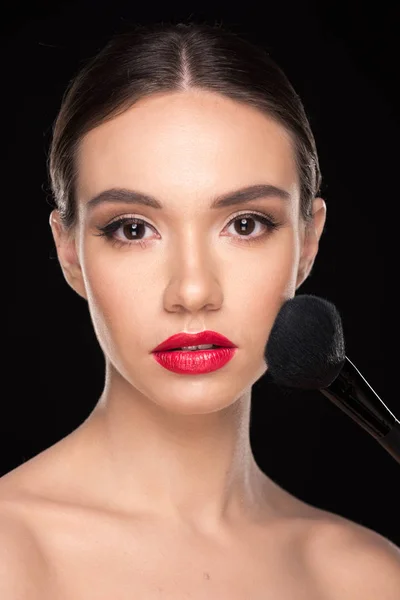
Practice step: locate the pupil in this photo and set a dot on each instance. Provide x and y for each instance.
(131, 229)
(244, 225)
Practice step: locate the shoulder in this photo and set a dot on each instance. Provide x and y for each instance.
(353, 562)
(23, 570)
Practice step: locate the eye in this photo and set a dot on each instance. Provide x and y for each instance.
(244, 226)
(133, 229)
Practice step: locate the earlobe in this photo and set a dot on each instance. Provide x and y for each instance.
(65, 244)
(302, 274)
(67, 255)
(311, 241)
(319, 216)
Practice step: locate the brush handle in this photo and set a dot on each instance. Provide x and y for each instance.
(391, 441)
(354, 396)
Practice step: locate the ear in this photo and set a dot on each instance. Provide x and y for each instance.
(67, 255)
(311, 236)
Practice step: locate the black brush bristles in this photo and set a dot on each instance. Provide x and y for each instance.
(306, 348)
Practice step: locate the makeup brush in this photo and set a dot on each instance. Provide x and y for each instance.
(306, 350)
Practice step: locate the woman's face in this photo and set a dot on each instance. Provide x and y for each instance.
(190, 267)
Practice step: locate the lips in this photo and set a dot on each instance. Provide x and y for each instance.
(181, 340)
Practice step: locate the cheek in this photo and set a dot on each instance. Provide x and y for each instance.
(268, 276)
(117, 296)
(259, 289)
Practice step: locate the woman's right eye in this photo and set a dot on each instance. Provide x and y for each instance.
(130, 226)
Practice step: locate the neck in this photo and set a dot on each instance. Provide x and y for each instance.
(193, 469)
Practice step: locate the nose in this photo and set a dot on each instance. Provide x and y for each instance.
(194, 285)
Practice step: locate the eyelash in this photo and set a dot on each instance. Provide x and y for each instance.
(109, 230)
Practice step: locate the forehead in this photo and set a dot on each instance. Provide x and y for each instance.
(184, 142)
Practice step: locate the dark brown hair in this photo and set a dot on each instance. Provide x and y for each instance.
(162, 58)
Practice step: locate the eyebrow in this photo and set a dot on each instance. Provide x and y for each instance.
(245, 194)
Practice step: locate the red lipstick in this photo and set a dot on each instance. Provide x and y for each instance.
(170, 355)
(180, 340)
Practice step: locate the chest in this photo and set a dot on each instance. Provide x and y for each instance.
(161, 566)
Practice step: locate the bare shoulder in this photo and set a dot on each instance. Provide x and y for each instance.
(353, 562)
(22, 565)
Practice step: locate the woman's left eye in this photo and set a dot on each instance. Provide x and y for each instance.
(132, 226)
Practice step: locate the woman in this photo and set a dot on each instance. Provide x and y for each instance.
(186, 179)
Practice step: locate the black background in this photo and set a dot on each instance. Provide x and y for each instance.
(341, 58)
